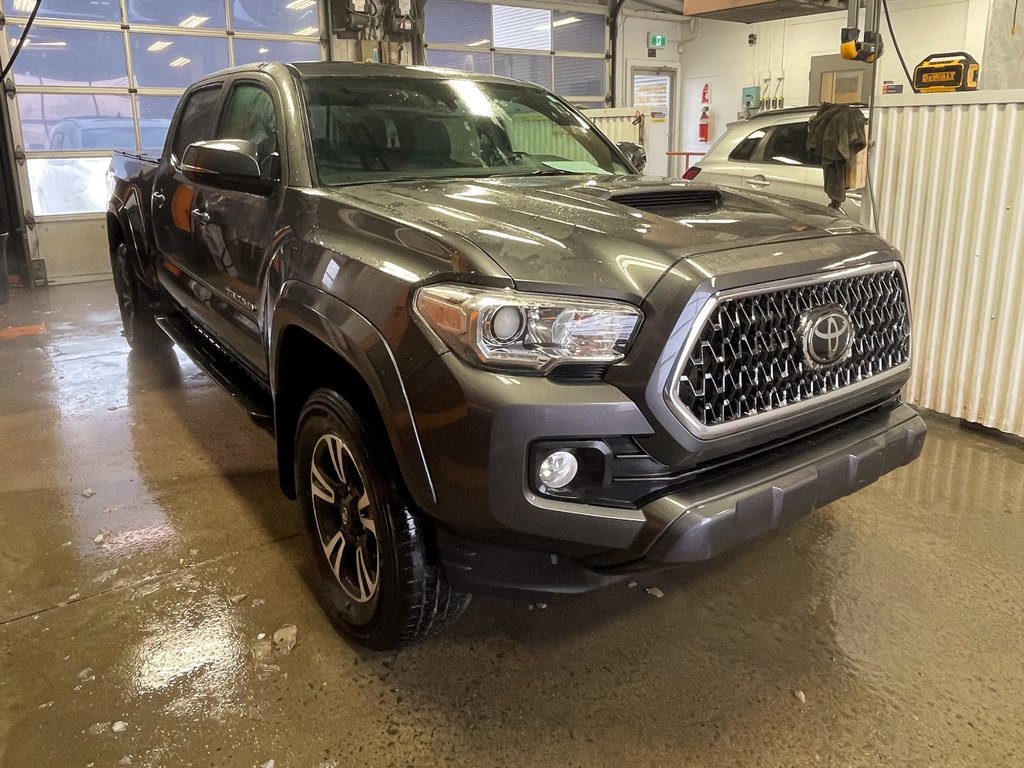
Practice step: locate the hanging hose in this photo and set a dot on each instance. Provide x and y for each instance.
(21, 41)
(896, 45)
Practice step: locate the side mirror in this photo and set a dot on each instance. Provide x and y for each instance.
(636, 155)
(228, 163)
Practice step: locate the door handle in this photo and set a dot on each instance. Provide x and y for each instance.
(200, 215)
(158, 197)
(758, 181)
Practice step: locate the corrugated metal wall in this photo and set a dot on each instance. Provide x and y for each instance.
(542, 137)
(950, 190)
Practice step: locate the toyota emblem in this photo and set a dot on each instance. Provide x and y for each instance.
(827, 334)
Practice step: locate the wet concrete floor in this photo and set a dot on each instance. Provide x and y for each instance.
(137, 506)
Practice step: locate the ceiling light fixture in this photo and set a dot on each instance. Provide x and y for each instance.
(181, 61)
(193, 21)
(300, 5)
(563, 22)
(159, 45)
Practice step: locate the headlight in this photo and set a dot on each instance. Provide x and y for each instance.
(508, 329)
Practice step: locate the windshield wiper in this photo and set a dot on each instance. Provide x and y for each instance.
(555, 172)
(393, 179)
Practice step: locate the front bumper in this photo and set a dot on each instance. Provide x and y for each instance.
(731, 506)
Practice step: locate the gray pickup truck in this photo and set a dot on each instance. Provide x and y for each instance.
(494, 356)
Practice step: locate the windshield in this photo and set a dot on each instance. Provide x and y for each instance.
(381, 128)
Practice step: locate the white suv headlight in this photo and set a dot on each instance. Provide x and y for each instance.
(507, 329)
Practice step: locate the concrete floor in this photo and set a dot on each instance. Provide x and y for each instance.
(137, 503)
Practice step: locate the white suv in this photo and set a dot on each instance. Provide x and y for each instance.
(768, 152)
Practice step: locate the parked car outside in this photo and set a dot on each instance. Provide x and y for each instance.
(768, 153)
(66, 185)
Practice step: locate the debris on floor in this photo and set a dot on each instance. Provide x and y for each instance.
(88, 493)
(99, 537)
(799, 696)
(236, 599)
(87, 675)
(72, 598)
(46, 705)
(655, 592)
(269, 764)
(119, 727)
(97, 728)
(284, 639)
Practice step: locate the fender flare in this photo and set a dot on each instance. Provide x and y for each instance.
(359, 344)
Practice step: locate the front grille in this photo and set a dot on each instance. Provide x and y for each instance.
(748, 358)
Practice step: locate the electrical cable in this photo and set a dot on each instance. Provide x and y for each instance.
(21, 41)
(1013, 26)
(896, 45)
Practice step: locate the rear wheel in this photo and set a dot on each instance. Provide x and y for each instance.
(136, 305)
(375, 578)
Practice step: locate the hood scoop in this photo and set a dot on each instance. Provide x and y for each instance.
(671, 200)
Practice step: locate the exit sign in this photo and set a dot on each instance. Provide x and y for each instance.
(654, 40)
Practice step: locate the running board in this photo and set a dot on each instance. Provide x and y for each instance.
(218, 365)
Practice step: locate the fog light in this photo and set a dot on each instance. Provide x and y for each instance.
(558, 469)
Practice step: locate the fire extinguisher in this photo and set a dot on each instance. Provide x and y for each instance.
(703, 126)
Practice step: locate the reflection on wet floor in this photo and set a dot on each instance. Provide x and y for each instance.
(148, 559)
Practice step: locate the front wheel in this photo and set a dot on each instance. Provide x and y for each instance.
(375, 578)
(135, 305)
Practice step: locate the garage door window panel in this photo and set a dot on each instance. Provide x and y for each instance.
(451, 22)
(521, 28)
(187, 14)
(250, 51)
(578, 32)
(44, 115)
(175, 61)
(72, 10)
(577, 77)
(532, 69)
(464, 60)
(70, 57)
(279, 17)
(68, 185)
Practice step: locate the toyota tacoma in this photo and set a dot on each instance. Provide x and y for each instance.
(493, 355)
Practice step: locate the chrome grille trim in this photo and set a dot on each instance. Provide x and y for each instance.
(806, 404)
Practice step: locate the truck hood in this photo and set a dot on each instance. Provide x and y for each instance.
(599, 235)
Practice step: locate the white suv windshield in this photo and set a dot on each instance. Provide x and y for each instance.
(386, 128)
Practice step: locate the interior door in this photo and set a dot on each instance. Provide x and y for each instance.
(234, 229)
(653, 89)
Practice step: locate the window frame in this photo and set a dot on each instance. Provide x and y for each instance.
(179, 115)
(761, 151)
(266, 85)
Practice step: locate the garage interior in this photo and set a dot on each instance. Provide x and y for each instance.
(150, 556)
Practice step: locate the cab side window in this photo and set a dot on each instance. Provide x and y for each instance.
(198, 119)
(788, 145)
(249, 115)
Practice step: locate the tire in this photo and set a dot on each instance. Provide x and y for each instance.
(136, 306)
(375, 579)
